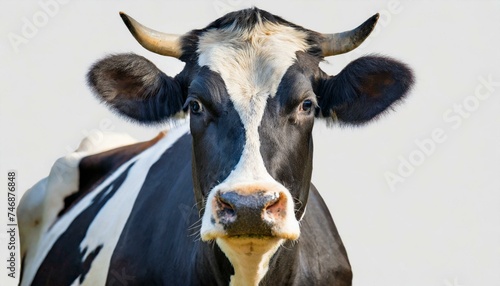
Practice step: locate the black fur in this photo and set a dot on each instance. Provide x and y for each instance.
(218, 133)
(286, 131)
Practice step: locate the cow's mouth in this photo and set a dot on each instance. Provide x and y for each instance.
(246, 247)
(250, 236)
(272, 235)
(250, 241)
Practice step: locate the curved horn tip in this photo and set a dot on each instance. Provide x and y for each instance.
(374, 19)
(123, 15)
(344, 42)
(127, 20)
(154, 41)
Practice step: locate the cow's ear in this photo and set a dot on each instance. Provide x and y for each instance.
(136, 88)
(364, 89)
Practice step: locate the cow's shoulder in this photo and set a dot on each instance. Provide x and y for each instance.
(41, 204)
(101, 181)
(93, 169)
(324, 260)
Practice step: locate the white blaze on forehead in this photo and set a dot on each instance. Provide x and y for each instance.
(252, 63)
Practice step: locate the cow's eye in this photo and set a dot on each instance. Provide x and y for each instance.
(195, 107)
(307, 105)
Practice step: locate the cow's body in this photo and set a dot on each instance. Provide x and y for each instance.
(227, 199)
(161, 205)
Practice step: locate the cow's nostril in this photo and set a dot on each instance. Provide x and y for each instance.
(276, 205)
(272, 202)
(224, 204)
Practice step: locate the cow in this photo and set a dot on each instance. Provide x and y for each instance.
(225, 197)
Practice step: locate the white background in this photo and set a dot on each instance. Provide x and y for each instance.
(439, 225)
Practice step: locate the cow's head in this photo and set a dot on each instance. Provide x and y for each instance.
(252, 88)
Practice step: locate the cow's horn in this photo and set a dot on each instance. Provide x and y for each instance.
(339, 43)
(154, 41)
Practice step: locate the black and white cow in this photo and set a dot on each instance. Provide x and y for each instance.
(238, 176)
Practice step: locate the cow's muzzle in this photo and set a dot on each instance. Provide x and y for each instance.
(252, 211)
(250, 215)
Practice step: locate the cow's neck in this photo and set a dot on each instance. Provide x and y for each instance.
(249, 257)
(271, 269)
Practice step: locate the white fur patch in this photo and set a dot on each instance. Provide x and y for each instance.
(107, 226)
(252, 63)
(250, 258)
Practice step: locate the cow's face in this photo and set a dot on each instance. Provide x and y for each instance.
(252, 87)
(252, 132)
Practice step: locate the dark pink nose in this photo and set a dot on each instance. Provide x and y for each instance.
(254, 214)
